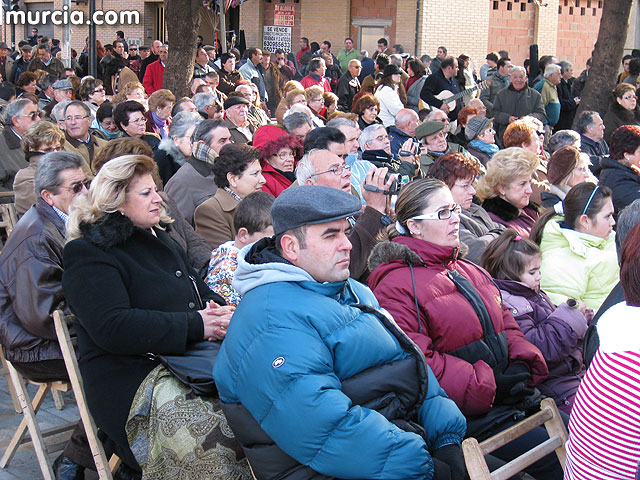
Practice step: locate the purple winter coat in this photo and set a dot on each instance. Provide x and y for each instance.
(557, 331)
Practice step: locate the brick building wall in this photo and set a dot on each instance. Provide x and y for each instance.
(444, 22)
(379, 10)
(511, 28)
(578, 23)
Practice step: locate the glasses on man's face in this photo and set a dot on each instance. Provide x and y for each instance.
(335, 169)
(443, 214)
(32, 115)
(77, 187)
(77, 118)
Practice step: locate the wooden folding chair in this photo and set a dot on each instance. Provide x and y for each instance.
(548, 415)
(5, 371)
(104, 468)
(29, 422)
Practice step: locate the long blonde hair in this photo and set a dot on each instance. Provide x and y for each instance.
(108, 192)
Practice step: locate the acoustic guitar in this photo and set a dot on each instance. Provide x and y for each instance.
(450, 98)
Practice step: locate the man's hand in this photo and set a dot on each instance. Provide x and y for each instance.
(445, 107)
(375, 177)
(216, 320)
(512, 119)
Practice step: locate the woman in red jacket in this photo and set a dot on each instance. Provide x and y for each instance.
(453, 311)
(279, 154)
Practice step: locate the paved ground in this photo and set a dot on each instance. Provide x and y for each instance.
(24, 464)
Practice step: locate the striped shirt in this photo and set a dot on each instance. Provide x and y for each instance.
(604, 440)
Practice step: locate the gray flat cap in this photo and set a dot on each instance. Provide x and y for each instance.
(62, 84)
(311, 205)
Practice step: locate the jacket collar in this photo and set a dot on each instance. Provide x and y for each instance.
(46, 211)
(503, 209)
(108, 231)
(13, 142)
(227, 202)
(203, 168)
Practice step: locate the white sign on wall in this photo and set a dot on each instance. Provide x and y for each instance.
(274, 37)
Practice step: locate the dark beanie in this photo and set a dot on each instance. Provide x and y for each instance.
(562, 163)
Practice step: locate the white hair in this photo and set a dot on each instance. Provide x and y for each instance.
(551, 69)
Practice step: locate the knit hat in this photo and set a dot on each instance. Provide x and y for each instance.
(266, 134)
(476, 125)
(235, 100)
(562, 163)
(391, 69)
(428, 128)
(311, 205)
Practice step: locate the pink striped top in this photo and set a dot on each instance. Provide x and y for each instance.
(604, 440)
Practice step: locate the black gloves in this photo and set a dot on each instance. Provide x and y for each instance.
(511, 385)
(451, 455)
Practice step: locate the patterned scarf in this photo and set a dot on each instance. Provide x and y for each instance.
(204, 153)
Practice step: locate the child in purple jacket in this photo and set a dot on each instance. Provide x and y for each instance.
(514, 263)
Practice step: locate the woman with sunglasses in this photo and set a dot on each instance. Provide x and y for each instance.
(41, 138)
(452, 310)
(579, 258)
(623, 109)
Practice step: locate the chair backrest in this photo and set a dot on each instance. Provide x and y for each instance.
(103, 467)
(548, 415)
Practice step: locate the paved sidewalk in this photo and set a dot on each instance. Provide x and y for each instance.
(24, 465)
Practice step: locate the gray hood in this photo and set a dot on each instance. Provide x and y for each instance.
(260, 264)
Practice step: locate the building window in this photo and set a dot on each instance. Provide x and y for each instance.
(368, 37)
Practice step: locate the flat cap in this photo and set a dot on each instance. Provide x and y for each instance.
(428, 128)
(476, 125)
(311, 205)
(235, 100)
(63, 84)
(4, 45)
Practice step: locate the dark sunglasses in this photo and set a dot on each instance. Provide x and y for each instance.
(77, 187)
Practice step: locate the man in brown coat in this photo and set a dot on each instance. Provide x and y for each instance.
(77, 118)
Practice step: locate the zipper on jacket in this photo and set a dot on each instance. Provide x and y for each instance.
(195, 287)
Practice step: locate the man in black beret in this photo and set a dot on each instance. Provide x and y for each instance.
(237, 118)
(309, 360)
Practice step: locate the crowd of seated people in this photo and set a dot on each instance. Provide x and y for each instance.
(379, 268)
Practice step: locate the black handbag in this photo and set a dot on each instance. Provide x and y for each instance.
(194, 368)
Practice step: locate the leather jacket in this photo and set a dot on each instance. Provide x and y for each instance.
(31, 286)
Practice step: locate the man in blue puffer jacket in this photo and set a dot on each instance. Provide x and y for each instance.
(316, 381)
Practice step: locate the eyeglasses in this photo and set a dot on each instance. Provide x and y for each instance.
(98, 90)
(77, 187)
(77, 118)
(443, 214)
(284, 155)
(336, 170)
(138, 121)
(629, 97)
(32, 115)
(540, 134)
(464, 186)
(51, 149)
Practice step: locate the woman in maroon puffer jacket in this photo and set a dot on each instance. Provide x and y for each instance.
(453, 311)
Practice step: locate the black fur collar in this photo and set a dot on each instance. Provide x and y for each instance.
(108, 231)
(503, 209)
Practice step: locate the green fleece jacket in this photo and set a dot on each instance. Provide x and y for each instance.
(577, 265)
